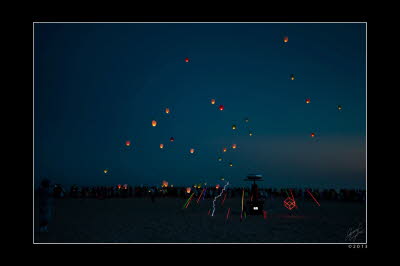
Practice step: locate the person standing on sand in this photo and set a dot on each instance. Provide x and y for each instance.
(153, 194)
(45, 205)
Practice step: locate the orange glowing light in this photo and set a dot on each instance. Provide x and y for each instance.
(164, 183)
(161, 146)
(221, 107)
(224, 149)
(167, 110)
(286, 39)
(212, 101)
(312, 135)
(192, 151)
(233, 146)
(308, 100)
(154, 123)
(217, 186)
(128, 143)
(188, 189)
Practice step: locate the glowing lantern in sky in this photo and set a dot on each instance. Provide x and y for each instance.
(230, 164)
(220, 159)
(105, 171)
(119, 186)
(164, 183)
(154, 123)
(212, 101)
(233, 146)
(221, 107)
(128, 143)
(171, 139)
(292, 77)
(312, 135)
(339, 107)
(246, 120)
(125, 186)
(167, 110)
(285, 39)
(224, 149)
(233, 127)
(187, 60)
(192, 151)
(250, 134)
(217, 186)
(222, 178)
(161, 146)
(188, 189)
(308, 100)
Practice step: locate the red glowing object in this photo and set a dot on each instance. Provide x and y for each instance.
(285, 39)
(313, 197)
(289, 203)
(217, 186)
(308, 100)
(222, 203)
(221, 107)
(265, 214)
(312, 135)
(119, 186)
(227, 215)
(187, 60)
(127, 143)
(200, 195)
(171, 139)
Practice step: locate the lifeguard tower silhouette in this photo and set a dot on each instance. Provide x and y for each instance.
(254, 205)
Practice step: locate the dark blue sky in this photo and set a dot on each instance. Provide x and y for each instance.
(97, 85)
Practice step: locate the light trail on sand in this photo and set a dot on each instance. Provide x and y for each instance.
(218, 197)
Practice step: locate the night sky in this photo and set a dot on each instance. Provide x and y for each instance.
(98, 85)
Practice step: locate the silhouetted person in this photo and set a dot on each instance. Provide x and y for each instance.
(45, 204)
(152, 194)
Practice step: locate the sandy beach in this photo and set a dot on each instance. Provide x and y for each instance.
(138, 220)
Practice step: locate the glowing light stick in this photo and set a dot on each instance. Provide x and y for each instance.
(227, 215)
(190, 199)
(222, 203)
(218, 197)
(187, 200)
(313, 198)
(200, 196)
